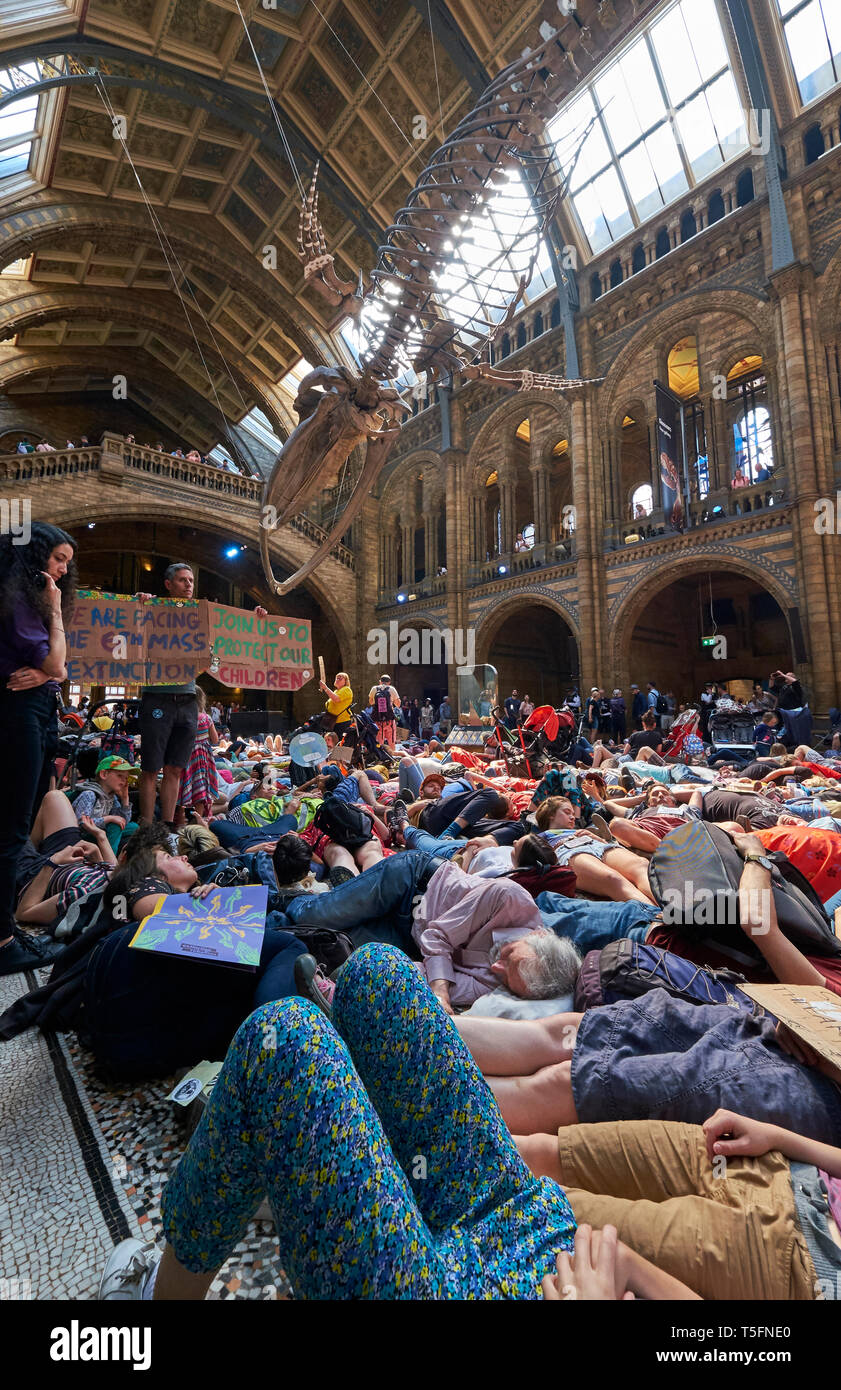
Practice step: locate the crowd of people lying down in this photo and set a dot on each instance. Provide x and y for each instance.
(528, 1123)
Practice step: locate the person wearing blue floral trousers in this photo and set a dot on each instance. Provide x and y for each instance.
(386, 1162)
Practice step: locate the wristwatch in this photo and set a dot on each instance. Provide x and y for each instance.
(762, 859)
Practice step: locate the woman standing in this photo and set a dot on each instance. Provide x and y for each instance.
(199, 780)
(37, 590)
(338, 703)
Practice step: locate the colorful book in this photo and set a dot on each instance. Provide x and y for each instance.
(225, 928)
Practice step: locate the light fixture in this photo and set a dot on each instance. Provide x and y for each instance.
(91, 525)
(412, 596)
(503, 569)
(231, 552)
(401, 598)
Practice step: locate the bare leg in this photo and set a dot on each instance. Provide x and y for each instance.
(597, 877)
(540, 1154)
(505, 1047)
(54, 813)
(148, 792)
(337, 857)
(170, 788)
(633, 836)
(631, 867)
(369, 855)
(175, 1282)
(535, 1104)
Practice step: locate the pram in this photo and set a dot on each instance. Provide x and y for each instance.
(732, 735)
(685, 726)
(77, 749)
(544, 737)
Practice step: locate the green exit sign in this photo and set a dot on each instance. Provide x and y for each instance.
(708, 641)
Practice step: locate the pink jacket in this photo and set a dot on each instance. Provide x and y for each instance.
(457, 922)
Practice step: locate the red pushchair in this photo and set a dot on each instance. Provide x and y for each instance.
(553, 728)
(685, 726)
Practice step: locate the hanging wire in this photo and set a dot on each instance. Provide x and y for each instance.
(410, 143)
(169, 255)
(281, 132)
(435, 65)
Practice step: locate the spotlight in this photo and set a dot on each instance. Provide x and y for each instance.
(231, 552)
(91, 525)
(503, 569)
(401, 598)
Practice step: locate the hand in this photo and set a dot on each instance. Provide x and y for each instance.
(796, 1047)
(736, 1136)
(261, 612)
(747, 842)
(114, 820)
(26, 678)
(201, 890)
(71, 854)
(322, 685)
(441, 990)
(144, 598)
(592, 1273)
(788, 819)
(52, 592)
(96, 830)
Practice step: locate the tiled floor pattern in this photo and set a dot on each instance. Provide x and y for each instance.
(71, 1190)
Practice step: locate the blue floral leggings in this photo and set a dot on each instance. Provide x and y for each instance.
(387, 1165)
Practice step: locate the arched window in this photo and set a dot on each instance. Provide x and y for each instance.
(715, 208)
(505, 346)
(538, 324)
(595, 286)
(688, 226)
(638, 261)
(684, 377)
(749, 417)
(685, 381)
(521, 335)
(814, 144)
(642, 502)
(663, 244)
(555, 316)
(615, 273)
(744, 189)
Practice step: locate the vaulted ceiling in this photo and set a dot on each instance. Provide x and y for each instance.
(176, 249)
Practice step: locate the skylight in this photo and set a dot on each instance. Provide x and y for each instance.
(18, 120)
(813, 34)
(667, 114)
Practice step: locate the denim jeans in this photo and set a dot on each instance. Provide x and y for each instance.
(590, 926)
(374, 906)
(430, 844)
(242, 837)
(28, 719)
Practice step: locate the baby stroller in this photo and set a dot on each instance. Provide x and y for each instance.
(77, 747)
(554, 731)
(731, 734)
(687, 725)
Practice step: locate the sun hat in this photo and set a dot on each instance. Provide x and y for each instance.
(114, 763)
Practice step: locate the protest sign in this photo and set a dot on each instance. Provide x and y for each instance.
(114, 639)
(225, 928)
(254, 653)
(810, 1011)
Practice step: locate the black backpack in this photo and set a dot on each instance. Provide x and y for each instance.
(382, 704)
(343, 824)
(662, 705)
(694, 874)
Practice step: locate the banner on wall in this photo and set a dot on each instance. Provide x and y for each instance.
(114, 639)
(670, 456)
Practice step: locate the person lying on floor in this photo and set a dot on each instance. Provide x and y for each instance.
(651, 1058)
(356, 1216)
(662, 1185)
(56, 867)
(641, 827)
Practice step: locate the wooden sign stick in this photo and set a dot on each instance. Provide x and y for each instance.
(321, 668)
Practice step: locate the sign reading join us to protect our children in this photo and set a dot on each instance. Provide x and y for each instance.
(114, 639)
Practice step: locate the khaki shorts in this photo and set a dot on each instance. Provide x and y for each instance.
(733, 1237)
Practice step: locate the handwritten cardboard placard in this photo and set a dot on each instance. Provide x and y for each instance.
(114, 639)
(254, 653)
(810, 1011)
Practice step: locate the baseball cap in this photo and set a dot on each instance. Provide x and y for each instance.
(113, 763)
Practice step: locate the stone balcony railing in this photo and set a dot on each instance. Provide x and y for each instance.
(119, 454)
(726, 504)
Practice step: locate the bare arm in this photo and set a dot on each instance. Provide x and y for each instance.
(758, 918)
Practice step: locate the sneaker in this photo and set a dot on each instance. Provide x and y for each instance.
(397, 815)
(313, 984)
(339, 875)
(27, 952)
(627, 780)
(127, 1270)
(600, 828)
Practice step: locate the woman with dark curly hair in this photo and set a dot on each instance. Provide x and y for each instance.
(37, 591)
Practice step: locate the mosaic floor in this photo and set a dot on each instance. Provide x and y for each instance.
(84, 1164)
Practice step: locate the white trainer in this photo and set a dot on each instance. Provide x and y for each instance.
(127, 1269)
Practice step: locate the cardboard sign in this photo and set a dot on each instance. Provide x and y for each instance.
(810, 1011)
(116, 640)
(254, 653)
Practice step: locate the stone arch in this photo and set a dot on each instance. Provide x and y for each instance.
(516, 635)
(829, 300)
(628, 606)
(668, 325)
(519, 406)
(495, 613)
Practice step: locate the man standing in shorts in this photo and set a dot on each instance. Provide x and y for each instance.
(168, 718)
(384, 700)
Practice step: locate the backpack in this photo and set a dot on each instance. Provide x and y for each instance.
(330, 948)
(704, 856)
(382, 704)
(343, 824)
(627, 969)
(662, 705)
